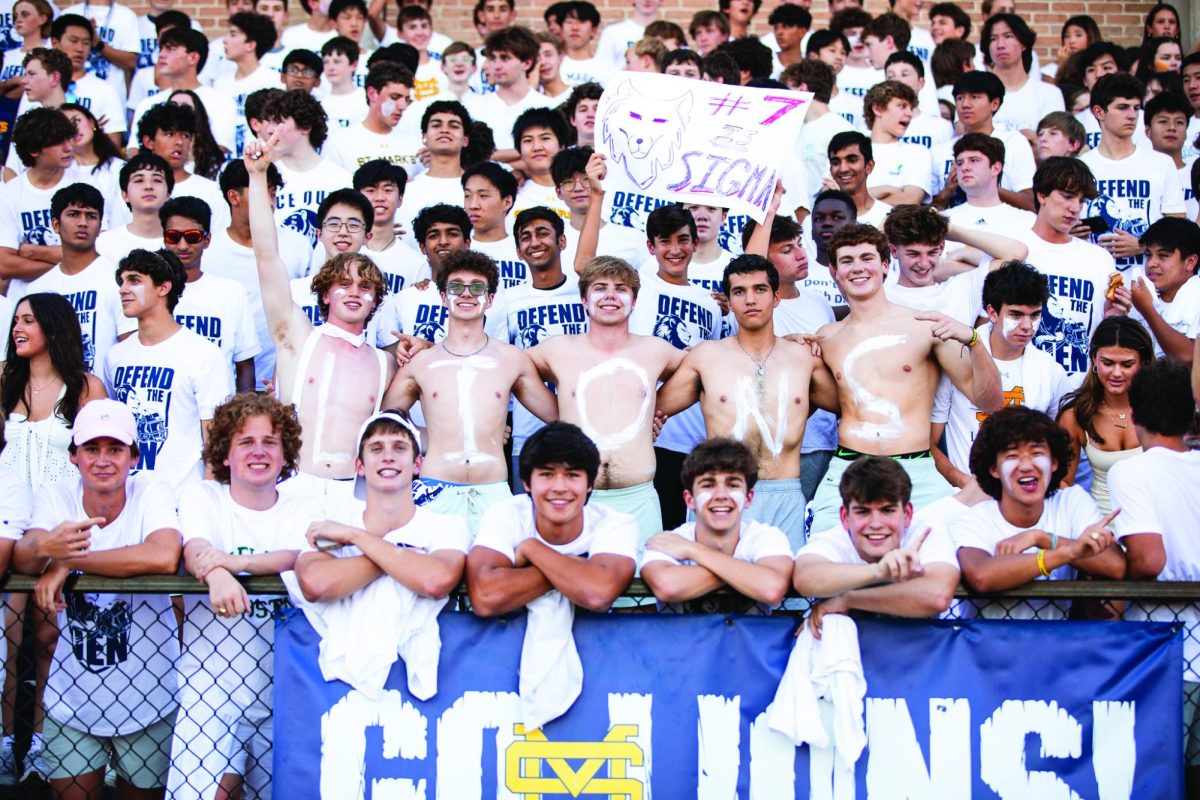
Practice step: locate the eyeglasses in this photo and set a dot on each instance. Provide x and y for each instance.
(348, 225)
(459, 60)
(300, 72)
(456, 288)
(574, 180)
(192, 236)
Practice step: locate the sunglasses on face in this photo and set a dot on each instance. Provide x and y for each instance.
(476, 289)
(192, 236)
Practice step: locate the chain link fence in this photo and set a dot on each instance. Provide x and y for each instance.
(175, 696)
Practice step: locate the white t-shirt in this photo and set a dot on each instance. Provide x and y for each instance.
(615, 39)
(1024, 108)
(400, 263)
(424, 191)
(302, 37)
(352, 147)
(116, 25)
(222, 114)
(1034, 380)
(115, 650)
(850, 108)
(820, 280)
(238, 88)
(1135, 192)
(812, 145)
(960, 297)
(928, 130)
(1156, 492)
(500, 117)
(1182, 313)
(535, 194)
(236, 654)
(25, 210)
(218, 309)
(513, 271)
(591, 70)
(1019, 165)
(16, 506)
(116, 243)
(91, 92)
(228, 259)
(1000, 218)
(1067, 513)
(209, 191)
(297, 200)
(1078, 276)
(93, 295)
(900, 165)
(345, 110)
(427, 531)
(756, 541)
(682, 316)
(605, 531)
(1185, 183)
(170, 387)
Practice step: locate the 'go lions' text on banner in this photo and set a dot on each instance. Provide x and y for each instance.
(673, 707)
(670, 139)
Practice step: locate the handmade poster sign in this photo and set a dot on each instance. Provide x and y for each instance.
(670, 139)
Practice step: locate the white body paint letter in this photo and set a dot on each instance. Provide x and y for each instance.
(467, 368)
(745, 405)
(867, 402)
(612, 441)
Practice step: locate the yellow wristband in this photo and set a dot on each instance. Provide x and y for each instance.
(974, 338)
(1041, 562)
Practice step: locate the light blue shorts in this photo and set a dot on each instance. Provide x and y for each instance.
(468, 501)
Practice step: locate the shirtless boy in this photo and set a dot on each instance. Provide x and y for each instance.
(606, 379)
(464, 383)
(887, 360)
(756, 387)
(333, 376)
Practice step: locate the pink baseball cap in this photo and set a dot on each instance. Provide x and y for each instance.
(104, 418)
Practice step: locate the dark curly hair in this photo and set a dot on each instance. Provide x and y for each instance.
(337, 268)
(909, 224)
(230, 416)
(304, 109)
(1010, 427)
(719, 454)
(160, 267)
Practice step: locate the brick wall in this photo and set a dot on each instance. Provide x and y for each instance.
(1120, 21)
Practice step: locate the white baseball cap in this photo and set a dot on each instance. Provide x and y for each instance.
(104, 418)
(360, 483)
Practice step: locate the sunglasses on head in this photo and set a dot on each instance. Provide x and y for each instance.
(193, 236)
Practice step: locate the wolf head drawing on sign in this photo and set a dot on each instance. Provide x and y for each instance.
(643, 134)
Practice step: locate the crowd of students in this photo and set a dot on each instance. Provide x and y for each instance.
(337, 301)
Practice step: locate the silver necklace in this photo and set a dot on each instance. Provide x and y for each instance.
(762, 365)
(486, 339)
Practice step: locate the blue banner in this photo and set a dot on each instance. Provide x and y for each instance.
(673, 707)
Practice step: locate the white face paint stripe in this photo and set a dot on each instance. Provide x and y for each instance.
(468, 368)
(1008, 325)
(1044, 464)
(867, 402)
(612, 441)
